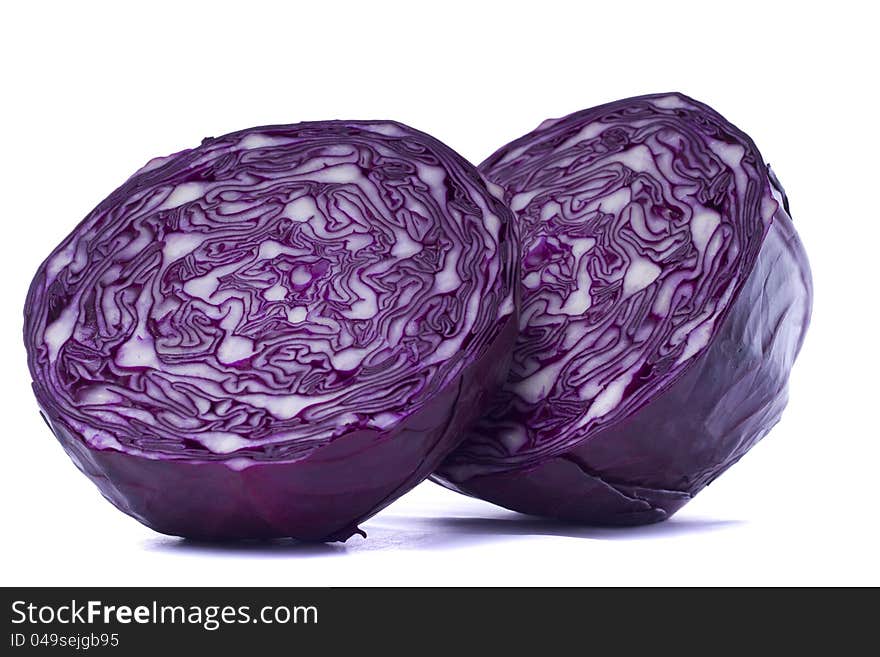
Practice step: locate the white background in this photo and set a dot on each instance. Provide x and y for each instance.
(91, 91)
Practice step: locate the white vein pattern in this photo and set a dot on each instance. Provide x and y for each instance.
(270, 291)
(636, 221)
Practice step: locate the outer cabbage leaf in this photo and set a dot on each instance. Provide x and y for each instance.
(278, 332)
(666, 295)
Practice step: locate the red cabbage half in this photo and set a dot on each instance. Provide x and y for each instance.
(276, 333)
(665, 298)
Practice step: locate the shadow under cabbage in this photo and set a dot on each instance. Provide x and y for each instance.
(255, 547)
(522, 525)
(392, 531)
